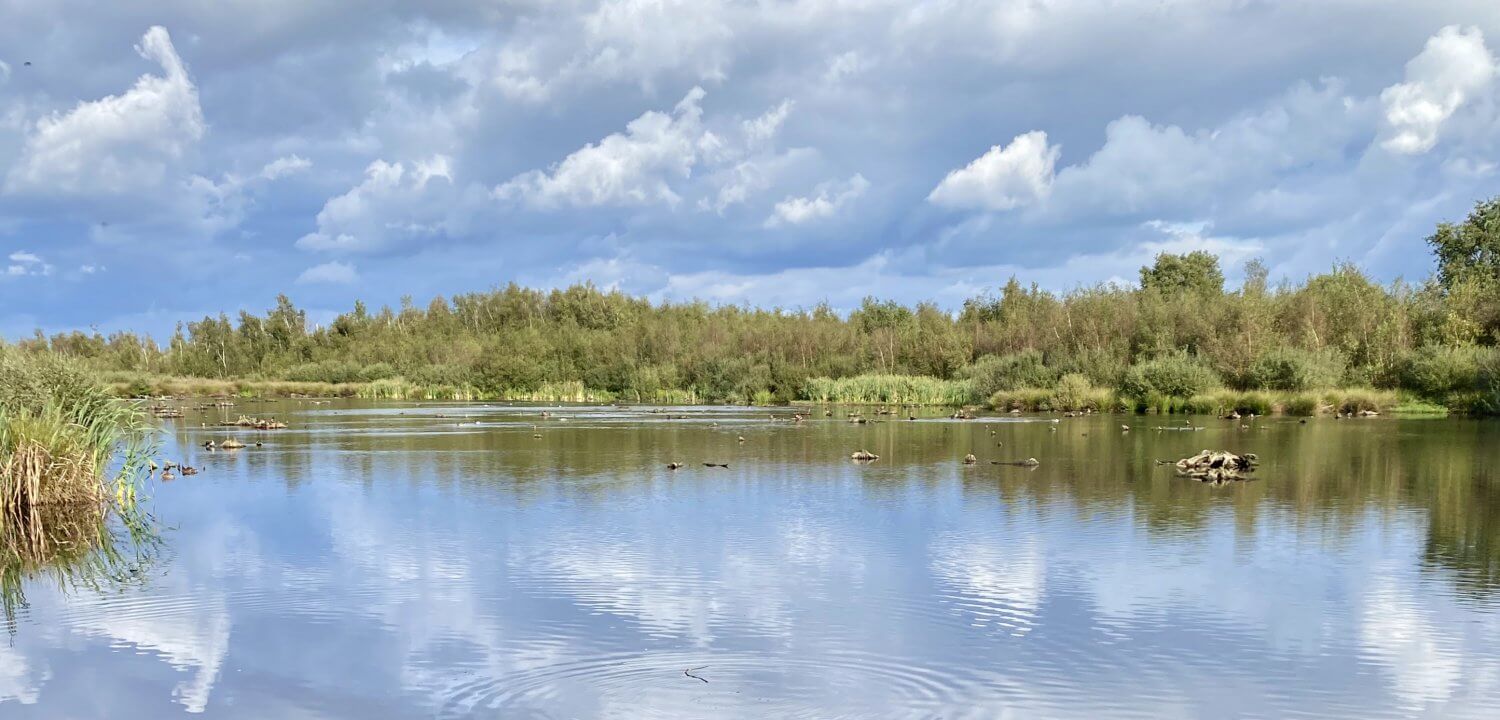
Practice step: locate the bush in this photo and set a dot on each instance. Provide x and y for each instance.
(1176, 375)
(1025, 369)
(1293, 369)
(1485, 399)
(1437, 372)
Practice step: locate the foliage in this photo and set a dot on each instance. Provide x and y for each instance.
(1025, 369)
(1286, 368)
(1177, 375)
(1181, 333)
(1195, 272)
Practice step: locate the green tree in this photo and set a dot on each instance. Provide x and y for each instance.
(1469, 250)
(1197, 271)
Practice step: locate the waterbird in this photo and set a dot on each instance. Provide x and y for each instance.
(718, 465)
(168, 476)
(970, 459)
(674, 466)
(742, 438)
(1125, 428)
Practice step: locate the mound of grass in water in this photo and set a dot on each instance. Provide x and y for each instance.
(64, 443)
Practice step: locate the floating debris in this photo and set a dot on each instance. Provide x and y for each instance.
(231, 444)
(1217, 467)
(717, 465)
(1028, 462)
(863, 455)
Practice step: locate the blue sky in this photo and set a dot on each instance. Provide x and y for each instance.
(166, 160)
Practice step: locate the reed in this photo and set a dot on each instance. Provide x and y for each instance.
(65, 443)
(895, 389)
(569, 391)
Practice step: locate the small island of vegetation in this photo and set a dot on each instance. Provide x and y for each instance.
(1181, 341)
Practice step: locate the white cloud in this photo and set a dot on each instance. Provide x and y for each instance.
(26, 263)
(630, 168)
(283, 166)
(828, 199)
(335, 273)
(120, 143)
(391, 201)
(764, 128)
(1017, 175)
(1454, 66)
(640, 39)
(844, 66)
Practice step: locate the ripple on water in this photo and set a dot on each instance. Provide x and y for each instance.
(733, 684)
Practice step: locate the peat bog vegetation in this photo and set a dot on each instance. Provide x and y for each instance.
(1180, 342)
(73, 461)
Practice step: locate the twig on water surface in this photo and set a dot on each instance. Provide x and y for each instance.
(689, 672)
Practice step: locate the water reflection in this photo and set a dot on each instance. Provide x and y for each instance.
(387, 562)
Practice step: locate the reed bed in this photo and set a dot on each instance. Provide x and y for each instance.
(70, 456)
(897, 389)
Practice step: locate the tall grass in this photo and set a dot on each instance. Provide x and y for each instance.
(570, 391)
(64, 443)
(898, 389)
(1072, 393)
(403, 389)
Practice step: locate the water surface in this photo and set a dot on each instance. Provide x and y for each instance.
(438, 560)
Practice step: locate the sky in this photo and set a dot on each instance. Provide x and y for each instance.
(162, 161)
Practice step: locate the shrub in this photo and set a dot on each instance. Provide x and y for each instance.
(1293, 369)
(1009, 372)
(1177, 375)
(1486, 396)
(1436, 372)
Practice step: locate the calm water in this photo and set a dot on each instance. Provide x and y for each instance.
(387, 561)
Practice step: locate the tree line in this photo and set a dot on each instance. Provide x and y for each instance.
(1180, 331)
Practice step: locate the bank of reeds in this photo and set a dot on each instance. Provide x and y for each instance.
(1268, 402)
(135, 385)
(67, 449)
(1073, 393)
(570, 391)
(892, 389)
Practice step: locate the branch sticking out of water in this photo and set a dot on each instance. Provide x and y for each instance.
(689, 672)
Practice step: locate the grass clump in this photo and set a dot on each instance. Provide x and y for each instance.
(68, 450)
(898, 389)
(1073, 392)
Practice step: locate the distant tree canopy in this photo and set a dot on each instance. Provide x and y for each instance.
(1197, 272)
(1179, 329)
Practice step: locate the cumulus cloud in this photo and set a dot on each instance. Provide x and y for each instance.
(283, 166)
(1454, 67)
(391, 201)
(657, 154)
(335, 273)
(630, 168)
(119, 143)
(826, 202)
(1016, 175)
(640, 39)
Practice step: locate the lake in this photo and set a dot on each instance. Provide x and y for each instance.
(423, 560)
